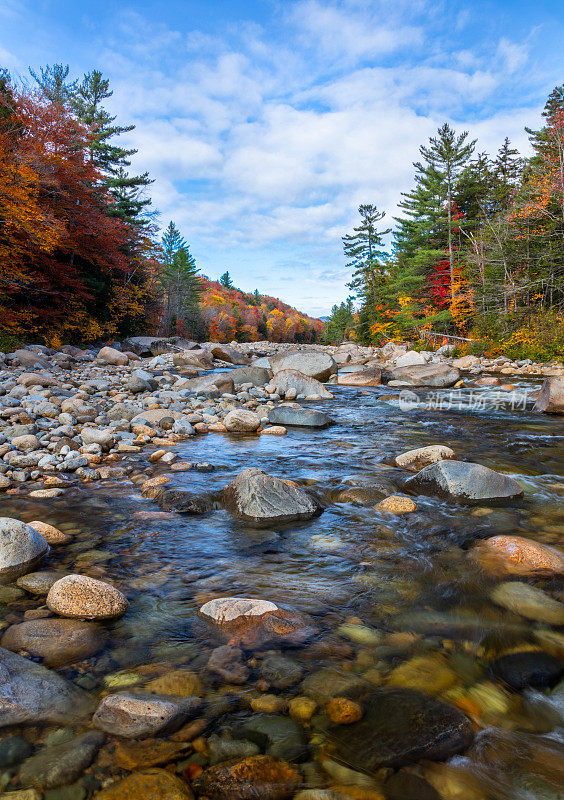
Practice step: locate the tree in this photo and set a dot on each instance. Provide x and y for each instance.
(53, 80)
(448, 154)
(225, 280)
(340, 322)
(181, 284)
(363, 248)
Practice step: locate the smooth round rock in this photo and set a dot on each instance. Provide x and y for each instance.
(396, 504)
(52, 535)
(81, 597)
(149, 783)
(529, 601)
(400, 727)
(21, 549)
(515, 555)
(56, 641)
(241, 420)
(529, 668)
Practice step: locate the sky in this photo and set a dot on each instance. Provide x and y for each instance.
(265, 124)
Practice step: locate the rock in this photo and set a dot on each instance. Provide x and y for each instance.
(515, 555)
(56, 641)
(256, 375)
(528, 601)
(221, 380)
(32, 694)
(529, 668)
(29, 359)
(396, 504)
(241, 420)
(428, 673)
(329, 682)
(104, 437)
(400, 727)
(151, 345)
(53, 536)
(227, 353)
(81, 597)
(279, 736)
(435, 375)
(405, 785)
(228, 664)
(139, 716)
(280, 672)
(114, 357)
(302, 709)
(21, 549)
(61, 764)
(371, 376)
(178, 683)
(302, 384)
(255, 777)
(221, 750)
(39, 583)
(410, 359)
(154, 416)
(182, 501)
(263, 499)
(148, 784)
(202, 359)
(414, 460)
(342, 711)
(13, 750)
(551, 397)
(300, 417)
(251, 623)
(183, 427)
(313, 363)
(23, 794)
(465, 482)
(466, 362)
(274, 430)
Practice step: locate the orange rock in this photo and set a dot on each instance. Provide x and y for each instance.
(343, 711)
(150, 753)
(396, 504)
(257, 776)
(50, 534)
(149, 783)
(515, 555)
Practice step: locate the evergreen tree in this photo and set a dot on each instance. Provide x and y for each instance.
(181, 285)
(340, 323)
(448, 154)
(53, 80)
(225, 280)
(363, 248)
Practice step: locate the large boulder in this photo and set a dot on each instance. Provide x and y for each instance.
(515, 555)
(102, 436)
(256, 375)
(149, 345)
(225, 352)
(200, 358)
(414, 460)
(221, 380)
(138, 716)
(29, 359)
(551, 397)
(82, 597)
(251, 623)
(410, 359)
(466, 362)
(32, 694)
(400, 727)
(313, 363)
(299, 417)
(465, 482)
(56, 641)
(437, 376)
(154, 415)
(371, 376)
(109, 355)
(241, 420)
(141, 381)
(262, 499)
(21, 549)
(302, 384)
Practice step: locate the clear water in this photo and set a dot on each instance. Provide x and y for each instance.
(351, 562)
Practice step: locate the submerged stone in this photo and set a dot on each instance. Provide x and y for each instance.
(400, 727)
(254, 496)
(465, 482)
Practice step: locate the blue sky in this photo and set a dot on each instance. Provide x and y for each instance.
(265, 124)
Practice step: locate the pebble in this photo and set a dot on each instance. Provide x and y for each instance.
(529, 601)
(342, 711)
(81, 597)
(396, 504)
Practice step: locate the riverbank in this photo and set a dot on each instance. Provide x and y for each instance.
(379, 583)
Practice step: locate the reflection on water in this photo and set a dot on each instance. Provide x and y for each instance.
(381, 591)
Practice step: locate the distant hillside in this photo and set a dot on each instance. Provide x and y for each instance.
(247, 317)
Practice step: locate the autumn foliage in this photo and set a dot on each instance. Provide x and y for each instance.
(68, 269)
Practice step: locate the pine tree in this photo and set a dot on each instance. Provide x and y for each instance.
(181, 285)
(54, 83)
(225, 280)
(448, 154)
(363, 248)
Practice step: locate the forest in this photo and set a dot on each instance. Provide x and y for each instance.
(81, 259)
(477, 250)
